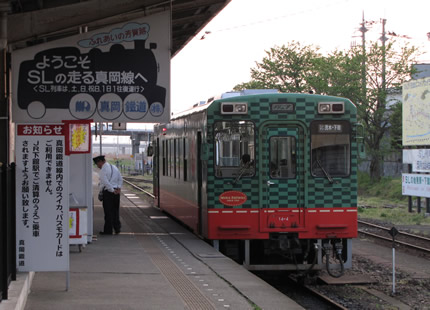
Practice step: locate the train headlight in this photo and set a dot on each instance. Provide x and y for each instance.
(234, 108)
(331, 108)
(241, 108)
(324, 107)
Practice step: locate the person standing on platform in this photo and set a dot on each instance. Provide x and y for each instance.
(110, 185)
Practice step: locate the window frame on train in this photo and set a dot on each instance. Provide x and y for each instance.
(336, 131)
(283, 166)
(230, 169)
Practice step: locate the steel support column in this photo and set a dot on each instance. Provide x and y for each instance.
(4, 106)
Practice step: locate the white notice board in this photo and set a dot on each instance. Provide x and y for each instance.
(42, 198)
(419, 158)
(416, 185)
(118, 73)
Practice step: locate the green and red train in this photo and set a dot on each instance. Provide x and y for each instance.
(268, 178)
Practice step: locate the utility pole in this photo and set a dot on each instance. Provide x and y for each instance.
(363, 31)
(383, 39)
(4, 84)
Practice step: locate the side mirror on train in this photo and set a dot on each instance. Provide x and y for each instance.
(150, 150)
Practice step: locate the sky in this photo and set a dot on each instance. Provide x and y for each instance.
(242, 32)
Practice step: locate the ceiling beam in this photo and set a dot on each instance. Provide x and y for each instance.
(177, 22)
(188, 18)
(41, 22)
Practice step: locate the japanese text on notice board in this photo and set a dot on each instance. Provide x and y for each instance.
(42, 198)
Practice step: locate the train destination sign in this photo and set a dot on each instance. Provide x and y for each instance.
(330, 128)
(116, 74)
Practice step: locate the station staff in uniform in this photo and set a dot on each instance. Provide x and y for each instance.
(110, 184)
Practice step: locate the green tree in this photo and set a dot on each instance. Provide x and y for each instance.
(361, 76)
(387, 67)
(337, 74)
(396, 125)
(284, 68)
(253, 84)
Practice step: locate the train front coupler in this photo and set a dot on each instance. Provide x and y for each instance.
(336, 253)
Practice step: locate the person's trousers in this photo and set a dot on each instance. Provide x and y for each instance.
(111, 210)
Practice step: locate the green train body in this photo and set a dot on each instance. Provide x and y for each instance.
(264, 176)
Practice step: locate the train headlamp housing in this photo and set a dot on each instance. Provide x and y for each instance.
(234, 108)
(331, 108)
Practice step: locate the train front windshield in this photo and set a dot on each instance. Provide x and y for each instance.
(234, 147)
(330, 144)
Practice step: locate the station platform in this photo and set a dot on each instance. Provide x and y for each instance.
(154, 263)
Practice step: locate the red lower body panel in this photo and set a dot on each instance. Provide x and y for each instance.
(183, 210)
(311, 223)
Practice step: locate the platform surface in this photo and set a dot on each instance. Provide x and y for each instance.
(154, 263)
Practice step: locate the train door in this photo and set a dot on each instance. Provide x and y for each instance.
(282, 150)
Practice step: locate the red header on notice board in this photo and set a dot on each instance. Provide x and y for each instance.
(40, 130)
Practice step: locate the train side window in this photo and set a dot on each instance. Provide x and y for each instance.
(175, 152)
(233, 139)
(185, 159)
(169, 160)
(330, 149)
(179, 156)
(283, 157)
(164, 157)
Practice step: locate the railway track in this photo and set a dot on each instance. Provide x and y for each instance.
(321, 299)
(131, 179)
(127, 180)
(411, 241)
(328, 301)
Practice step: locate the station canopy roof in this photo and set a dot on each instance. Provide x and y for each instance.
(32, 22)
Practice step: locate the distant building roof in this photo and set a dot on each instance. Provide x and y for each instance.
(423, 71)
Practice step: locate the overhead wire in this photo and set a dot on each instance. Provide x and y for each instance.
(276, 18)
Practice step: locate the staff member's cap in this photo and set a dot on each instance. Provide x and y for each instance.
(98, 158)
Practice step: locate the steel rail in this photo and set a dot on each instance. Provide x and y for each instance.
(318, 294)
(396, 241)
(131, 179)
(325, 298)
(139, 188)
(400, 232)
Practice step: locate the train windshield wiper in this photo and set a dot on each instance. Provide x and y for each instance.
(239, 175)
(327, 175)
(243, 169)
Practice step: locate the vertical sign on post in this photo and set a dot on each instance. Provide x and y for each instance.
(393, 233)
(42, 198)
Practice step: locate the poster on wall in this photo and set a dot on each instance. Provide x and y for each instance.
(78, 137)
(119, 74)
(42, 198)
(416, 112)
